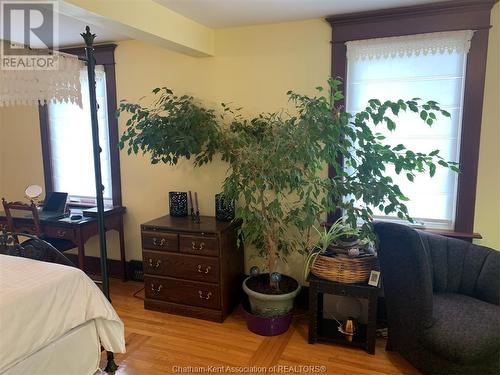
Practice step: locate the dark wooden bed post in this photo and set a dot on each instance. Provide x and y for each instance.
(90, 60)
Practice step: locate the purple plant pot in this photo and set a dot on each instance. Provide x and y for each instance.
(267, 326)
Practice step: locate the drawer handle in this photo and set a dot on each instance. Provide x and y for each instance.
(197, 248)
(162, 242)
(343, 292)
(157, 289)
(207, 269)
(156, 265)
(207, 296)
(61, 233)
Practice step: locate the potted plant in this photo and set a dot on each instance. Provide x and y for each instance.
(326, 237)
(276, 165)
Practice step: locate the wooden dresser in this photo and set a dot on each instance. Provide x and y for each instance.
(192, 269)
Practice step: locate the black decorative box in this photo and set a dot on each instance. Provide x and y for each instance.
(224, 210)
(178, 203)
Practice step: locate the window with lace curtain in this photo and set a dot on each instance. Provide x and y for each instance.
(441, 17)
(70, 138)
(427, 66)
(67, 137)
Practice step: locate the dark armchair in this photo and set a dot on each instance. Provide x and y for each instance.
(442, 299)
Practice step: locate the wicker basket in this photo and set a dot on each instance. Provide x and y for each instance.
(344, 269)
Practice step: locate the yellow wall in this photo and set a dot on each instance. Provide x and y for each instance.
(487, 218)
(253, 67)
(21, 151)
(1, 154)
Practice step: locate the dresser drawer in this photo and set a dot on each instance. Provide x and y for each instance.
(182, 291)
(160, 241)
(199, 245)
(182, 266)
(61, 232)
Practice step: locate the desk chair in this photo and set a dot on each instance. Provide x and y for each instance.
(32, 248)
(34, 229)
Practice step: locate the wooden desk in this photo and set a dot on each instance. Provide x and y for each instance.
(77, 231)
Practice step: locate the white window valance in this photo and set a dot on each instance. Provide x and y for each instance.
(411, 45)
(32, 86)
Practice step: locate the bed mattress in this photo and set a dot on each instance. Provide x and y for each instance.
(41, 302)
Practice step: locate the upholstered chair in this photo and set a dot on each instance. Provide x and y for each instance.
(442, 299)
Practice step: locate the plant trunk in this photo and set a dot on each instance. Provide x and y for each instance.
(270, 243)
(271, 251)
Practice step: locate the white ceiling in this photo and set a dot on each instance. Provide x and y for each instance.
(69, 33)
(229, 13)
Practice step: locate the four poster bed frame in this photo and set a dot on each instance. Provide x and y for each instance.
(38, 249)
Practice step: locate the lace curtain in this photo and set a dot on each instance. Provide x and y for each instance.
(411, 45)
(427, 66)
(31, 87)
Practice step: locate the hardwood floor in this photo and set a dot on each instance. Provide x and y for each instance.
(159, 343)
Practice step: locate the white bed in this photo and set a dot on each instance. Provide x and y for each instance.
(53, 320)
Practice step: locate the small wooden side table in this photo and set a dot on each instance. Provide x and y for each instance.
(321, 329)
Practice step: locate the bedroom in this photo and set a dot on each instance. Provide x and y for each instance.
(243, 55)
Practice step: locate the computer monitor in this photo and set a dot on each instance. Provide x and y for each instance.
(55, 202)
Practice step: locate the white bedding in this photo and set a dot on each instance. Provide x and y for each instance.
(75, 353)
(40, 302)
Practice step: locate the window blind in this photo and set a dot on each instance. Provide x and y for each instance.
(71, 149)
(426, 66)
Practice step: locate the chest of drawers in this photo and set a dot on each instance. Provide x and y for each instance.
(192, 269)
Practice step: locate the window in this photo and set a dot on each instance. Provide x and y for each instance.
(70, 140)
(424, 19)
(430, 67)
(67, 137)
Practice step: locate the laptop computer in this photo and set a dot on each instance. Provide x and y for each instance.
(54, 206)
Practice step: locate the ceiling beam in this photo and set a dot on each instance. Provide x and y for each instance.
(145, 20)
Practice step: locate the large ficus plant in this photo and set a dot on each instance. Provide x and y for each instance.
(276, 161)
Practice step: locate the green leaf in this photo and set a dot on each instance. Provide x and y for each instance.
(423, 115)
(391, 125)
(395, 109)
(432, 169)
(409, 176)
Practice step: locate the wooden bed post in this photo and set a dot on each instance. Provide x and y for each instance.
(88, 37)
(90, 60)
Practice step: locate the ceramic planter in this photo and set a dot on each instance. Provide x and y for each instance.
(270, 305)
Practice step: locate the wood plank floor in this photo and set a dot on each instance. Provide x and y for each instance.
(159, 343)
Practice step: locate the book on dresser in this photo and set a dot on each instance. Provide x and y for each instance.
(192, 269)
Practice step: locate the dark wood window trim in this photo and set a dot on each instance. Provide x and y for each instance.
(438, 17)
(104, 56)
